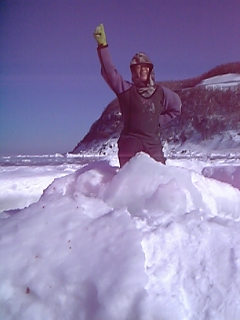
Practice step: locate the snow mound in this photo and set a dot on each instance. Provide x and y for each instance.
(147, 241)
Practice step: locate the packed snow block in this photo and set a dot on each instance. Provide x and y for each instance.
(147, 241)
(228, 174)
(70, 255)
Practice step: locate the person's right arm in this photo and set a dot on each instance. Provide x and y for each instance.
(110, 73)
(108, 70)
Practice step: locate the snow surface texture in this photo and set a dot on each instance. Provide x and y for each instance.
(146, 242)
(23, 186)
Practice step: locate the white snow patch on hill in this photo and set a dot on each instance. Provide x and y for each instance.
(222, 81)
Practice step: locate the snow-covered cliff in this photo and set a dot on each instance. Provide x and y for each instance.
(210, 111)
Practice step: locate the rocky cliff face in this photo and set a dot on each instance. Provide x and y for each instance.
(210, 107)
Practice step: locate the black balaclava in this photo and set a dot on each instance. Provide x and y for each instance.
(145, 88)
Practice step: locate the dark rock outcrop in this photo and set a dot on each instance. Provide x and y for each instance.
(205, 112)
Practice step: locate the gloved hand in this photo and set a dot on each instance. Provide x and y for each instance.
(100, 36)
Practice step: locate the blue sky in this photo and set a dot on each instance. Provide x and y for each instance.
(51, 90)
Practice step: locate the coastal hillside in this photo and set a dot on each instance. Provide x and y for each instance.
(210, 107)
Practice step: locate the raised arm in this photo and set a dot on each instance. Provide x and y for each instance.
(108, 70)
(172, 106)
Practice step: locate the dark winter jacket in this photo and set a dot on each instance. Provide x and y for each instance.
(145, 106)
(141, 115)
(171, 103)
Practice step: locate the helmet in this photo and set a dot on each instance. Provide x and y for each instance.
(141, 58)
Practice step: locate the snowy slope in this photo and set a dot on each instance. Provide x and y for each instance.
(146, 242)
(209, 117)
(222, 81)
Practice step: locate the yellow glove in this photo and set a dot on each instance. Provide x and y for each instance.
(100, 36)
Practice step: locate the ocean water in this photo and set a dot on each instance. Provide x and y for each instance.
(46, 160)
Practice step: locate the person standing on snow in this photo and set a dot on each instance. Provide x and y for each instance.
(144, 105)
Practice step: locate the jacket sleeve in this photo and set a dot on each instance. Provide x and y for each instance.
(171, 106)
(110, 73)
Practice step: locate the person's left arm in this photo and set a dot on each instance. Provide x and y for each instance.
(171, 106)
